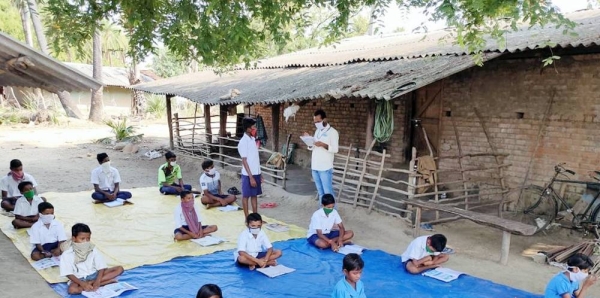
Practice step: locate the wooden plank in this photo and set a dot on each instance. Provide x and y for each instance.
(364, 170)
(170, 122)
(345, 171)
(275, 117)
(207, 124)
(222, 132)
(460, 154)
(377, 183)
(371, 107)
(417, 226)
(505, 248)
(285, 158)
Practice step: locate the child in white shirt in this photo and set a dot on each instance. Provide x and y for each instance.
(188, 224)
(26, 207)
(254, 248)
(425, 253)
(9, 184)
(210, 183)
(322, 221)
(47, 234)
(106, 181)
(83, 264)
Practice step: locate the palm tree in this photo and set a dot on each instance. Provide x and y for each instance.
(22, 6)
(97, 104)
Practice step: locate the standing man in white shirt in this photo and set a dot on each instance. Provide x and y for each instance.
(251, 177)
(323, 152)
(106, 181)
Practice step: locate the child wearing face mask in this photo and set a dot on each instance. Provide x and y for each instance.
(47, 234)
(83, 264)
(350, 285)
(253, 246)
(321, 223)
(106, 181)
(188, 224)
(425, 253)
(9, 184)
(210, 183)
(26, 208)
(575, 281)
(170, 180)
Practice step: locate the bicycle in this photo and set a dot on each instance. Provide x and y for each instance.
(539, 206)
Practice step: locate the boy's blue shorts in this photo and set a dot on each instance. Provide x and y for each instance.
(187, 228)
(314, 237)
(46, 247)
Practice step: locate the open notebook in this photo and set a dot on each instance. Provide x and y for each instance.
(110, 290)
(208, 240)
(117, 203)
(46, 263)
(274, 271)
(443, 274)
(275, 227)
(352, 248)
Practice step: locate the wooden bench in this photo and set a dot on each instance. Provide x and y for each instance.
(508, 227)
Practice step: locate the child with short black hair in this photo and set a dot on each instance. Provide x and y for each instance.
(9, 184)
(253, 246)
(566, 284)
(170, 179)
(425, 253)
(322, 221)
(350, 285)
(210, 183)
(106, 181)
(188, 223)
(83, 264)
(209, 291)
(26, 208)
(47, 234)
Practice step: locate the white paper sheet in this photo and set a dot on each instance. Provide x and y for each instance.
(209, 240)
(115, 203)
(110, 290)
(443, 274)
(277, 227)
(229, 208)
(309, 140)
(46, 263)
(353, 248)
(275, 271)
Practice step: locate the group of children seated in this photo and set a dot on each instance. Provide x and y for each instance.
(86, 269)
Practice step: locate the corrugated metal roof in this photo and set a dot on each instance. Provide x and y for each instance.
(377, 80)
(111, 76)
(402, 46)
(38, 70)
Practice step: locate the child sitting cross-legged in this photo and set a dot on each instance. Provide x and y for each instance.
(321, 223)
(83, 264)
(46, 234)
(573, 282)
(253, 246)
(425, 253)
(26, 209)
(351, 285)
(210, 183)
(188, 224)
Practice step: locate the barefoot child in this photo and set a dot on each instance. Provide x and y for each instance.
(575, 282)
(253, 247)
(47, 234)
(9, 184)
(83, 264)
(168, 173)
(251, 177)
(350, 286)
(210, 184)
(188, 224)
(321, 223)
(26, 208)
(106, 181)
(424, 253)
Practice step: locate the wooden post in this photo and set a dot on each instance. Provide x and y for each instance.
(207, 125)
(339, 196)
(412, 180)
(435, 177)
(362, 174)
(285, 158)
(194, 130)
(222, 133)
(275, 116)
(505, 248)
(460, 157)
(170, 121)
(371, 106)
(378, 181)
(177, 132)
(417, 227)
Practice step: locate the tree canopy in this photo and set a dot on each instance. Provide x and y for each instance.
(223, 33)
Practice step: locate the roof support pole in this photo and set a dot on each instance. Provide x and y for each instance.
(207, 125)
(170, 121)
(222, 133)
(275, 115)
(371, 106)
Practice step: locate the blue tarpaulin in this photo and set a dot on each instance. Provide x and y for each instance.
(317, 272)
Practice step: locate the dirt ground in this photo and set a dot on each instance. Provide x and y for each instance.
(61, 158)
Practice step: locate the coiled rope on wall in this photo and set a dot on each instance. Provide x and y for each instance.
(384, 121)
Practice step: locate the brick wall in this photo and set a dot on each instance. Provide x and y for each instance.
(513, 96)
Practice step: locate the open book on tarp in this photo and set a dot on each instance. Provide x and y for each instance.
(443, 274)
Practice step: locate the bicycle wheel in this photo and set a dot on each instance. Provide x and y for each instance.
(596, 214)
(534, 207)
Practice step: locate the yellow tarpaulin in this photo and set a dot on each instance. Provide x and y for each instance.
(138, 234)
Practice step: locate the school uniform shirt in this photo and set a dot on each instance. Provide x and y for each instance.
(250, 245)
(106, 181)
(343, 289)
(11, 187)
(40, 234)
(210, 183)
(93, 263)
(322, 159)
(172, 178)
(417, 250)
(180, 219)
(320, 221)
(23, 208)
(559, 285)
(247, 148)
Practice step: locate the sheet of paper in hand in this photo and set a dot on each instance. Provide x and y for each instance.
(209, 240)
(110, 290)
(115, 203)
(274, 271)
(229, 208)
(309, 140)
(353, 248)
(275, 227)
(443, 274)
(46, 263)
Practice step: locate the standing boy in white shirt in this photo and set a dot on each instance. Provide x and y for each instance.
(47, 234)
(210, 183)
(322, 221)
(251, 177)
(425, 253)
(253, 246)
(9, 184)
(83, 264)
(323, 152)
(26, 208)
(106, 181)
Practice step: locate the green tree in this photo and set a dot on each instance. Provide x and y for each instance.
(10, 20)
(359, 25)
(166, 65)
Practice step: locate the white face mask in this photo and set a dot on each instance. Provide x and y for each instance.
(173, 163)
(319, 125)
(106, 167)
(577, 277)
(46, 218)
(254, 231)
(211, 172)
